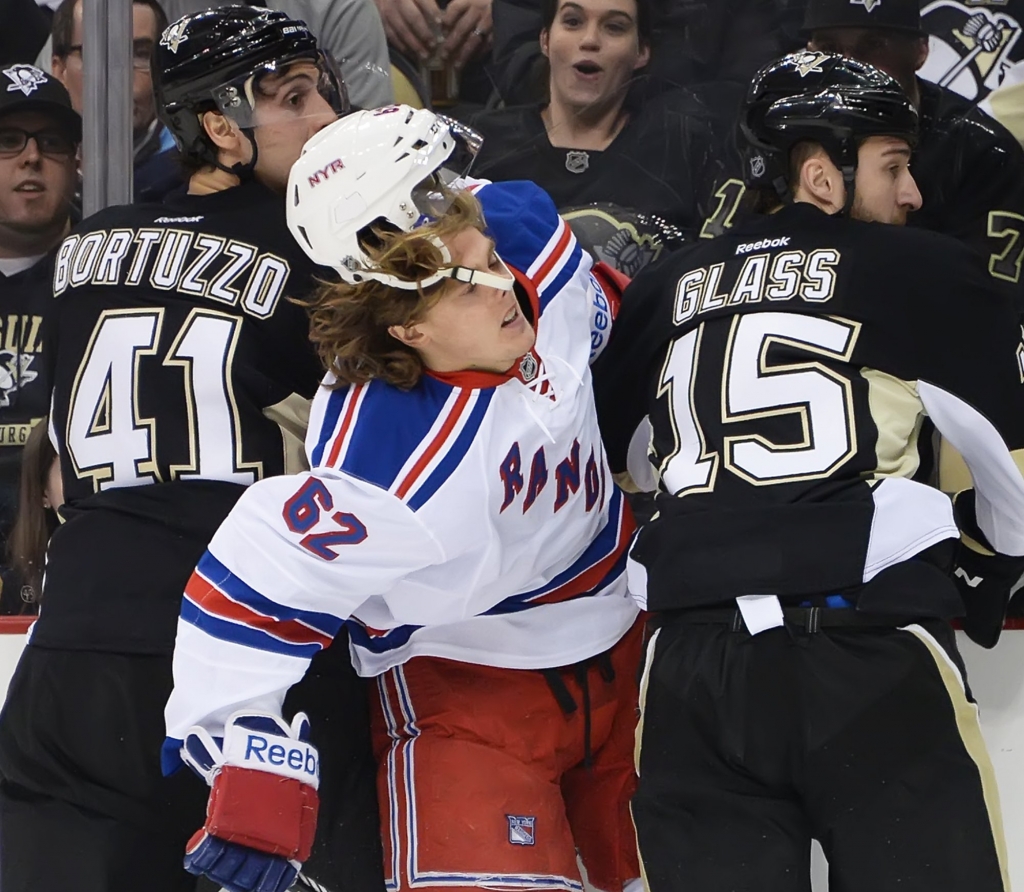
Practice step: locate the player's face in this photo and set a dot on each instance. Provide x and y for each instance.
(594, 48)
(35, 189)
(289, 110)
(473, 326)
(885, 190)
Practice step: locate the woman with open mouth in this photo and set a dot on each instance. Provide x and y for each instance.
(626, 174)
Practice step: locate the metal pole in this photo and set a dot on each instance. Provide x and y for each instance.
(106, 104)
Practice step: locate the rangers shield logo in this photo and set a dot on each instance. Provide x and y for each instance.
(971, 46)
(26, 78)
(521, 830)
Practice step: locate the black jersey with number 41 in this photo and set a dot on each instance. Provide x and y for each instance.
(181, 373)
(786, 368)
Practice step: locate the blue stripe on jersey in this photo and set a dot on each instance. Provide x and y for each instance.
(378, 644)
(603, 544)
(446, 467)
(390, 425)
(238, 591)
(519, 603)
(335, 402)
(521, 217)
(237, 633)
(564, 275)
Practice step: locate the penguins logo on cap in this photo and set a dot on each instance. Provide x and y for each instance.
(26, 78)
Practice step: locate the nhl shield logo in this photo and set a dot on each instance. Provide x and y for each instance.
(174, 36)
(757, 166)
(869, 5)
(521, 830)
(528, 367)
(577, 162)
(26, 78)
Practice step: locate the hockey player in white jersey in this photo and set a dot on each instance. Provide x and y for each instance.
(459, 516)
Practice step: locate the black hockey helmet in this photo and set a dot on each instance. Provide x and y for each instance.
(210, 61)
(832, 100)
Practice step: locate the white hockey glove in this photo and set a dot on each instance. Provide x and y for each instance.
(261, 816)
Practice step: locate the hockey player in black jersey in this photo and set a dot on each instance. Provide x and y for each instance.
(804, 681)
(181, 372)
(969, 167)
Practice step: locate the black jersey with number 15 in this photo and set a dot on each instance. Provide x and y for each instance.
(181, 373)
(786, 368)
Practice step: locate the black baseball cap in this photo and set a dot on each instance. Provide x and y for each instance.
(27, 88)
(892, 15)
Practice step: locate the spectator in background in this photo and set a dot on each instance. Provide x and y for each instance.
(156, 169)
(40, 495)
(694, 42)
(39, 137)
(627, 174)
(969, 168)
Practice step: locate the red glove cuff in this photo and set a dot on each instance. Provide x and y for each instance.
(263, 811)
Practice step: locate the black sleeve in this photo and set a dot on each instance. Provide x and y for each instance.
(622, 376)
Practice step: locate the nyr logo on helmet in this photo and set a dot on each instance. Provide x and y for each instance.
(869, 5)
(324, 173)
(970, 48)
(26, 78)
(174, 36)
(809, 62)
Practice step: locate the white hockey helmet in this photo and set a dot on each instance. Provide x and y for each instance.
(388, 165)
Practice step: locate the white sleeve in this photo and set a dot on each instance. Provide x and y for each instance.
(998, 483)
(291, 562)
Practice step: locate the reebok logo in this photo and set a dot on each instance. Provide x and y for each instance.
(764, 243)
(295, 755)
(178, 219)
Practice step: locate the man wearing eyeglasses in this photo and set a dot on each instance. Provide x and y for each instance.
(39, 136)
(156, 170)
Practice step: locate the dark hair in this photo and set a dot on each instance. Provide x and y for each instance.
(26, 545)
(644, 18)
(63, 26)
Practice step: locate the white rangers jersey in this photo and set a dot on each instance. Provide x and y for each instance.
(472, 518)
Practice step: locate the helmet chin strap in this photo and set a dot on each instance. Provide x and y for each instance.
(244, 170)
(849, 178)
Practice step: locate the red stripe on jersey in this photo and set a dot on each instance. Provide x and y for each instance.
(205, 595)
(345, 424)
(554, 256)
(435, 446)
(593, 575)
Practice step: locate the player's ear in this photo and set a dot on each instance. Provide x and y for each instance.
(410, 335)
(220, 130)
(544, 41)
(821, 180)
